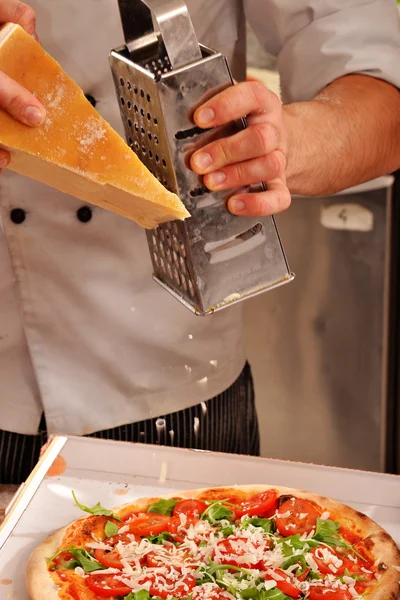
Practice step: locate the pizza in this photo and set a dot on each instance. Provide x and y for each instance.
(236, 543)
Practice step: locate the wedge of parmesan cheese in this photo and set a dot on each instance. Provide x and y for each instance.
(75, 150)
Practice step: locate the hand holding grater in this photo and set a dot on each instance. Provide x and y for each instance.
(213, 259)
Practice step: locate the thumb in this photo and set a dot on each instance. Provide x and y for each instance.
(14, 11)
(19, 102)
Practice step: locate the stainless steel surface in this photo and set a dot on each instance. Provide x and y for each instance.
(213, 259)
(174, 28)
(319, 349)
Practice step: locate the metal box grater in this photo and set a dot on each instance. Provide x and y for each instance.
(213, 259)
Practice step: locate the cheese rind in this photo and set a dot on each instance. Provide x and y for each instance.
(75, 150)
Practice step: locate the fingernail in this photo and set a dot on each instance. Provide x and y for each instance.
(33, 115)
(217, 178)
(237, 206)
(204, 116)
(3, 163)
(202, 160)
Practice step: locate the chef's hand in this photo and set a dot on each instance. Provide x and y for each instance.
(14, 98)
(255, 154)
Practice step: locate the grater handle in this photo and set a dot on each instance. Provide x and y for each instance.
(174, 23)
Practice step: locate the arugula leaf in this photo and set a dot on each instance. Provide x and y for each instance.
(293, 542)
(85, 560)
(163, 507)
(327, 531)
(160, 538)
(313, 575)
(263, 594)
(97, 509)
(266, 524)
(295, 560)
(217, 512)
(110, 529)
(226, 531)
(140, 595)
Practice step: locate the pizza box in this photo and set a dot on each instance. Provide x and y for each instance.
(115, 473)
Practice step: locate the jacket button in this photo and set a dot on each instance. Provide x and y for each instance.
(92, 100)
(17, 216)
(84, 214)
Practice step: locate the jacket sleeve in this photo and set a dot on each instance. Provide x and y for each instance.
(317, 41)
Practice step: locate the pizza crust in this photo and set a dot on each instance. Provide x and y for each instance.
(41, 586)
(39, 583)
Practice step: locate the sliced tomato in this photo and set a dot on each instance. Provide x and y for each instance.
(303, 575)
(260, 505)
(286, 585)
(325, 593)
(149, 524)
(296, 515)
(225, 552)
(323, 560)
(190, 508)
(111, 558)
(169, 585)
(59, 561)
(177, 530)
(107, 586)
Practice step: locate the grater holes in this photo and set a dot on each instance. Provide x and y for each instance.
(164, 164)
(191, 288)
(121, 82)
(136, 127)
(142, 130)
(150, 154)
(157, 158)
(199, 191)
(150, 136)
(130, 123)
(156, 139)
(129, 104)
(136, 145)
(148, 98)
(142, 112)
(122, 101)
(141, 93)
(184, 283)
(148, 116)
(128, 85)
(155, 121)
(144, 151)
(135, 90)
(130, 141)
(135, 108)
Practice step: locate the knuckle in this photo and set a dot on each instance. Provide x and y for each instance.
(265, 137)
(284, 200)
(222, 152)
(25, 15)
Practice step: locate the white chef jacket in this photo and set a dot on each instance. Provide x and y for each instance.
(85, 334)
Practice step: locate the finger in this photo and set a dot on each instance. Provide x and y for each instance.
(4, 158)
(235, 102)
(264, 168)
(245, 145)
(14, 11)
(19, 102)
(274, 200)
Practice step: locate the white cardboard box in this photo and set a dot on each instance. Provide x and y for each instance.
(117, 472)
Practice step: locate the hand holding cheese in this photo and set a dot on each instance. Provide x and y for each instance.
(14, 98)
(74, 149)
